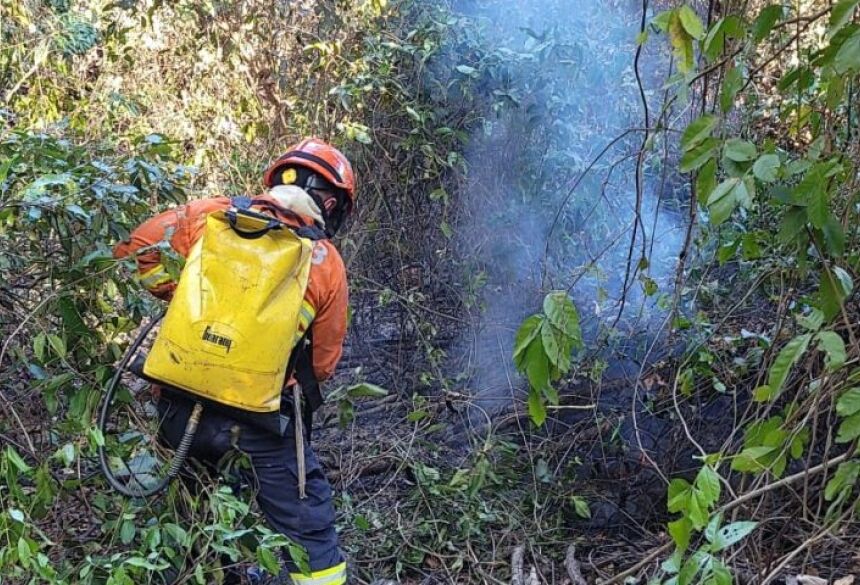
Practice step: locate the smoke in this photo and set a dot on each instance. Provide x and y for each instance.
(562, 79)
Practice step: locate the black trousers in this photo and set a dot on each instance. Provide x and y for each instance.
(308, 522)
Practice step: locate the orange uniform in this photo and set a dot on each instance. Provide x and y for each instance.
(326, 297)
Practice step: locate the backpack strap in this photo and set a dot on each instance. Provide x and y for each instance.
(243, 204)
(311, 232)
(301, 368)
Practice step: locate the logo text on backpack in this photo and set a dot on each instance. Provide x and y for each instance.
(210, 337)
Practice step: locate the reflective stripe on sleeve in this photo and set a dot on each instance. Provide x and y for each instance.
(306, 314)
(332, 576)
(306, 317)
(153, 277)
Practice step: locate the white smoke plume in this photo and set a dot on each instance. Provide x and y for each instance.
(562, 74)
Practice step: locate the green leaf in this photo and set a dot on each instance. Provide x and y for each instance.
(708, 484)
(535, 365)
(682, 43)
(361, 523)
(581, 507)
(792, 226)
(466, 70)
(366, 390)
(811, 185)
(818, 210)
(712, 527)
(739, 150)
(417, 415)
(766, 168)
(698, 155)
(720, 574)
(797, 444)
(690, 21)
(97, 438)
(529, 329)
(841, 15)
(143, 563)
(848, 57)
(16, 460)
(57, 344)
(715, 40)
(732, 84)
(39, 346)
(814, 153)
(697, 510)
(663, 19)
(268, 560)
(345, 413)
(727, 251)
(24, 552)
(67, 454)
(750, 460)
(834, 349)
(763, 393)
(706, 181)
(650, 286)
(680, 530)
(537, 409)
(555, 347)
(813, 321)
(783, 363)
(746, 195)
(765, 22)
(731, 534)
(697, 131)
(844, 282)
(72, 321)
(127, 532)
(834, 236)
(7, 164)
(750, 248)
(16, 515)
(177, 533)
(299, 556)
(849, 429)
(724, 199)
(849, 402)
(834, 287)
(562, 313)
(687, 381)
(678, 494)
(844, 479)
(672, 565)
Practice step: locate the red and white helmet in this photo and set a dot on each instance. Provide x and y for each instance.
(320, 157)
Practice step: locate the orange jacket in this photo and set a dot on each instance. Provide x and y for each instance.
(326, 293)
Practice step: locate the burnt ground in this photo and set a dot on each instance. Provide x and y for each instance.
(613, 443)
(588, 450)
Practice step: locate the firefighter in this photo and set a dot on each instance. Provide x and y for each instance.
(311, 185)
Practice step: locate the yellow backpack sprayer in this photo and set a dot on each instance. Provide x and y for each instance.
(229, 334)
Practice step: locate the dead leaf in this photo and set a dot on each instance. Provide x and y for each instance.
(651, 380)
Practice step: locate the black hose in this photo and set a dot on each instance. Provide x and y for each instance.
(181, 451)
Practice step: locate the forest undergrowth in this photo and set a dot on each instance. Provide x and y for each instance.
(539, 384)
